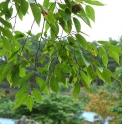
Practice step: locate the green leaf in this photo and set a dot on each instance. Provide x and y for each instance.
(108, 72)
(94, 2)
(52, 7)
(78, 53)
(68, 3)
(115, 48)
(84, 17)
(1, 68)
(54, 30)
(46, 27)
(41, 59)
(92, 49)
(36, 12)
(29, 102)
(104, 76)
(8, 13)
(13, 55)
(5, 23)
(70, 79)
(15, 75)
(25, 78)
(72, 42)
(37, 95)
(45, 3)
(6, 44)
(81, 40)
(19, 35)
(20, 101)
(104, 43)
(63, 67)
(103, 56)
(19, 13)
(9, 79)
(85, 78)
(21, 91)
(59, 73)
(76, 90)
(8, 67)
(3, 76)
(41, 83)
(86, 60)
(46, 89)
(77, 24)
(22, 72)
(50, 18)
(90, 12)
(91, 72)
(114, 55)
(24, 6)
(43, 70)
(67, 69)
(54, 84)
(2, 52)
(38, 35)
(64, 25)
(69, 24)
(65, 15)
(97, 65)
(7, 33)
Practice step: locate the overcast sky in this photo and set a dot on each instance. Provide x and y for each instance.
(108, 22)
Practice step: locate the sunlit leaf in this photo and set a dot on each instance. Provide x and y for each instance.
(114, 55)
(50, 18)
(104, 76)
(22, 91)
(45, 3)
(20, 101)
(29, 102)
(25, 78)
(37, 95)
(90, 12)
(94, 2)
(103, 56)
(52, 7)
(41, 83)
(2, 52)
(85, 78)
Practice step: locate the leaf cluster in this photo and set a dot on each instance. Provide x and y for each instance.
(59, 58)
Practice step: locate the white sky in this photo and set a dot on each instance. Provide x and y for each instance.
(108, 22)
